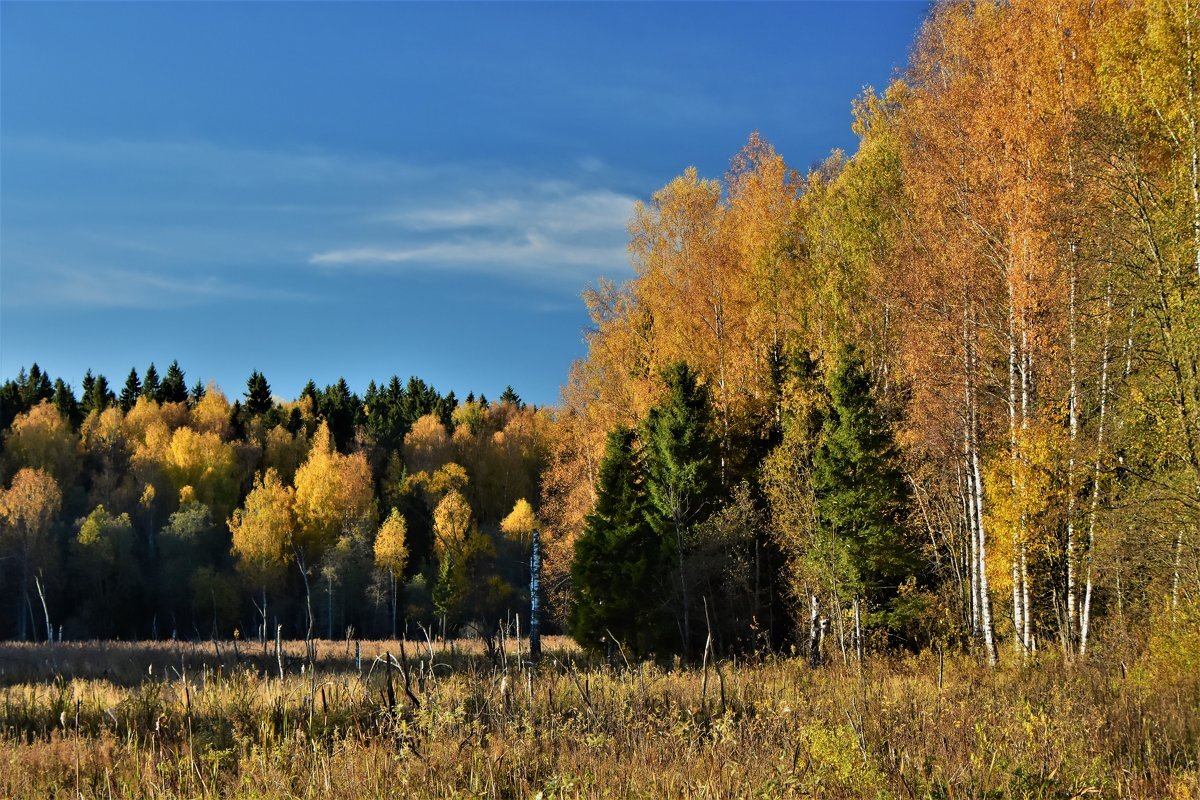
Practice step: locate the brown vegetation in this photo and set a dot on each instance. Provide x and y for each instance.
(175, 719)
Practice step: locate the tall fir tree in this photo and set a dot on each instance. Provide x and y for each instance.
(620, 567)
(10, 405)
(258, 394)
(197, 392)
(861, 495)
(174, 386)
(100, 397)
(86, 386)
(341, 408)
(131, 391)
(511, 397)
(65, 402)
(682, 473)
(36, 387)
(150, 383)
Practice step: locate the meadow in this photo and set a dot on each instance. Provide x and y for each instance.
(455, 720)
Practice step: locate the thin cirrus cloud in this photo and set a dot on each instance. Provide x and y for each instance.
(114, 287)
(556, 230)
(171, 224)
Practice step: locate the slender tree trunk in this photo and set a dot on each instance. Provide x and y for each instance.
(45, 610)
(1026, 411)
(814, 632)
(972, 409)
(308, 631)
(1018, 609)
(263, 636)
(329, 608)
(1178, 566)
(1089, 557)
(972, 530)
(1073, 438)
(677, 520)
(535, 604)
(395, 602)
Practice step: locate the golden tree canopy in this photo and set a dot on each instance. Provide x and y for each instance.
(263, 529)
(520, 522)
(391, 548)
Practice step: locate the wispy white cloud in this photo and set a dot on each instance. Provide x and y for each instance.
(536, 254)
(103, 287)
(158, 224)
(555, 229)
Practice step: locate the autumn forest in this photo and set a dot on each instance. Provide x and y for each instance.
(934, 402)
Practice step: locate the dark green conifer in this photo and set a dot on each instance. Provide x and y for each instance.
(861, 495)
(620, 565)
(682, 473)
(131, 391)
(258, 394)
(150, 383)
(174, 387)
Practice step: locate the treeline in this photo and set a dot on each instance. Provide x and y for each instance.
(946, 390)
(160, 511)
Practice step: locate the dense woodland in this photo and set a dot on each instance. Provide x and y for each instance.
(159, 511)
(950, 383)
(944, 391)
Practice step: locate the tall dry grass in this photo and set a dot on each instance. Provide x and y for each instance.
(165, 721)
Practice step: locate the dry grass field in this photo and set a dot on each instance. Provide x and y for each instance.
(184, 720)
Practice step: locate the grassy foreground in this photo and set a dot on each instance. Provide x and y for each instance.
(168, 720)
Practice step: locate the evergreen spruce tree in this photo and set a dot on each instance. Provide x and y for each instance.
(197, 393)
(150, 383)
(341, 408)
(682, 473)
(237, 420)
(100, 397)
(258, 394)
(310, 391)
(511, 397)
(445, 410)
(620, 565)
(36, 387)
(10, 405)
(65, 402)
(87, 386)
(861, 496)
(131, 391)
(173, 388)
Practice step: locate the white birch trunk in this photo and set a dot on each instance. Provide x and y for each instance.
(1086, 609)
(1073, 436)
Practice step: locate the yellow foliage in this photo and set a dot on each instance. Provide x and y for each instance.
(264, 527)
(520, 522)
(391, 549)
(284, 452)
(42, 439)
(28, 507)
(211, 414)
(333, 492)
(452, 522)
(426, 447)
(207, 464)
(450, 477)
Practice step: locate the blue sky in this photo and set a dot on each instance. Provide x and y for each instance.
(323, 190)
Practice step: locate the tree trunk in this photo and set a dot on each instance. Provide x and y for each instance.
(972, 414)
(1018, 609)
(1073, 437)
(814, 632)
(535, 605)
(1086, 610)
